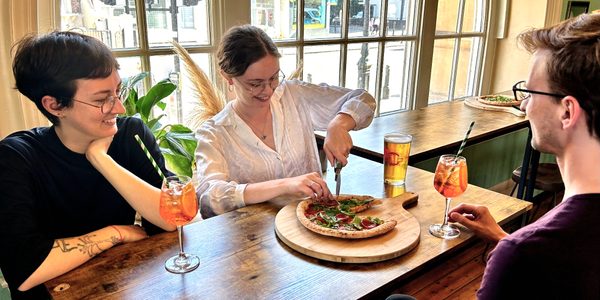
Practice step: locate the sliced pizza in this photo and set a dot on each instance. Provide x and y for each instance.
(355, 204)
(324, 218)
(498, 100)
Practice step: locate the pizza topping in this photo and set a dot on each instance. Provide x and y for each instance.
(343, 218)
(340, 220)
(499, 98)
(313, 209)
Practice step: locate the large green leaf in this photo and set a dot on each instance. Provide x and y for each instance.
(159, 91)
(177, 142)
(130, 82)
(130, 101)
(154, 124)
(178, 164)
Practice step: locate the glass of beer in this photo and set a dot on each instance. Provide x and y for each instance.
(396, 149)
(450, 180)
(178, 206)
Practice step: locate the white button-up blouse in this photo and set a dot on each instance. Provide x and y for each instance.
(229, 155)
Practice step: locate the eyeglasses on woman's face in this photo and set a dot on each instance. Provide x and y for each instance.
(521, 92)
(106, 105)
(256, 87)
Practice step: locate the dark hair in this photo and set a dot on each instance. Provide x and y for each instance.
(49, 64)
(574, 66)
(242, 46)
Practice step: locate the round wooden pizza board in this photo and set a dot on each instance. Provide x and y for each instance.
(404, 237)
(473, 102)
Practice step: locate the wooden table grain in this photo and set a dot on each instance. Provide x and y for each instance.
(241, 257)
(436, 129)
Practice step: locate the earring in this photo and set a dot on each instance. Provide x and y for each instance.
(230, 87)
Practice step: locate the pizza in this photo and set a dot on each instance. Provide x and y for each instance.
(498, 100)
(338, 218)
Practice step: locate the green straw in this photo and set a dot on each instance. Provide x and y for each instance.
(160, 173)
(460, 150)
(464, 141)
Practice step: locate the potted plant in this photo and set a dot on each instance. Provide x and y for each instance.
(176, 141)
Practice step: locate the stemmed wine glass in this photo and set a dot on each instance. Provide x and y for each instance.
(178, 206)
(450, 180)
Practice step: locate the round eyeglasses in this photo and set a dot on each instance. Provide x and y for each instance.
(257, 87)
(107, 105)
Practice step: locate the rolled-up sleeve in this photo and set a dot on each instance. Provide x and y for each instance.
(217, 194)
(325, 101)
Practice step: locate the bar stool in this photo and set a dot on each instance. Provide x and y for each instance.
(541, 176)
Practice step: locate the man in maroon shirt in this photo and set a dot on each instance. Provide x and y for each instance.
(555, 257)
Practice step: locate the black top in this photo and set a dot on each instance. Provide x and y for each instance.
(49, 192)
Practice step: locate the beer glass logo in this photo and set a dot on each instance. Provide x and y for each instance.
(391, 158)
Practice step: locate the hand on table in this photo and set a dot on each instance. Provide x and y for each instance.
(310, 184)
(478, 219)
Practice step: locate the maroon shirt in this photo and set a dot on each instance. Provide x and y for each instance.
(556, 257)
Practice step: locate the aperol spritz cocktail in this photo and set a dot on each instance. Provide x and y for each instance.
(178, 206)
(450, 180)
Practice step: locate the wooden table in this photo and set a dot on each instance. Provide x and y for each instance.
(436, 129)
(242, 258)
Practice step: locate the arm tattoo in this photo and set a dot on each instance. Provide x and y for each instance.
(84, 244)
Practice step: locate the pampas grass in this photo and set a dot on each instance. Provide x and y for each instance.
(210, 100)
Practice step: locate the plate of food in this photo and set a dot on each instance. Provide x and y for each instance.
(351, 228)
(498, 100)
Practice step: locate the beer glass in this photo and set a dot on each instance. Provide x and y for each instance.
(396, 149)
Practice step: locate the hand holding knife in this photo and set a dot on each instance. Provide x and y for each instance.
(338, 176)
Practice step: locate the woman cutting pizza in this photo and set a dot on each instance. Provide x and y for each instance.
(262, 144)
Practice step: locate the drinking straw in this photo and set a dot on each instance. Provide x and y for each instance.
(154, 164)
(460, 150)
(464, 141)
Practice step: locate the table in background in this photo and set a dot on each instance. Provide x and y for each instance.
(436, 129)
(240, 256)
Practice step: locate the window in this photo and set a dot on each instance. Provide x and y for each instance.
(458, 49)
(382, 46)
(139, 48)
(373, 44)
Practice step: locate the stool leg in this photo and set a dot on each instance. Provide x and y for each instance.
(513, 189)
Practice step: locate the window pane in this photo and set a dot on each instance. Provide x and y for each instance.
(130, 66)
(441, 70)
(321, 20)
(447, 16)
(474, 16)
(401, 17)
(276, 17)
(397, 66)
(115, 25)
(468, 68)
(364, 18)
(287, 62)
(315, 60)
(361, 68)
(181, 102)
(188, 22)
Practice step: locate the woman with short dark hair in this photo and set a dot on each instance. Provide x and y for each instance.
(71, 190)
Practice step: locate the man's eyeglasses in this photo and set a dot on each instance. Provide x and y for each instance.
(257, 87)
(107, 105)
(521, 93)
